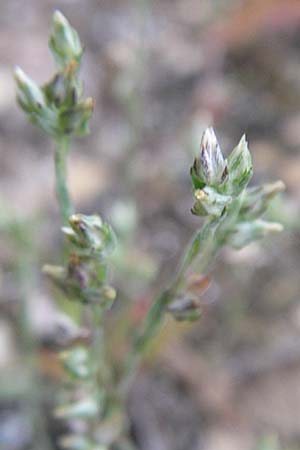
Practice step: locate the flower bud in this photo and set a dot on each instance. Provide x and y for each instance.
(246, 232)
(82, 409)
(29, 95)
(198, 284)
(103, 295)
(65, 332)
(209, 202)
(64, 41)
(210, 168)
(34, 102)
(56, 90)
(90, 234)
(239, 167)
(76, 119)
(185, 308)
(76, 362)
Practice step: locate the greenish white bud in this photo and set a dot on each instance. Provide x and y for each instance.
(246, 232)
(239, 167)
(29, 95)
(64, 41)
(76, 119)
(83, 409)
(57, 91)
(185, 309)
(90, 234)
(209, 202)
(76, 362)
(210, 168)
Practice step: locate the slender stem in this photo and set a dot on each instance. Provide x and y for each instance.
(201, 245)
(153, 319)
(62, 192)
(204, 246)
(201, 249)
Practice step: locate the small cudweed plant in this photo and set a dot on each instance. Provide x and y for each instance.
(93, 402)
(60, 110)
(232, 214)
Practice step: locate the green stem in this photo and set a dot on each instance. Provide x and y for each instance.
(62, 192)
(200, 252)
(202, 244)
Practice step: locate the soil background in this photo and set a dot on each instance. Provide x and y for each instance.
(161, 71)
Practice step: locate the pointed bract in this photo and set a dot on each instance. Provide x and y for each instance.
(210, 168)
(209, 202)
(81, 409)
(246, 232)
(240, 167)
(64, 41)
(258, 198)
(90, 235)
(185, 309)
(212, 163)
(29, 95)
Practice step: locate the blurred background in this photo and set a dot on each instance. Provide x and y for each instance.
(160, 71)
